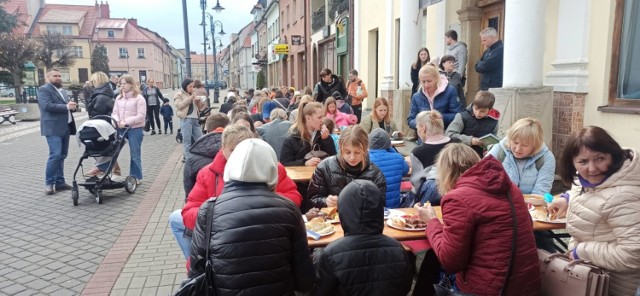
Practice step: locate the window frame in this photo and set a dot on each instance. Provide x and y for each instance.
(143, 56)
(111, 34)
(615, 104)
(122, 53)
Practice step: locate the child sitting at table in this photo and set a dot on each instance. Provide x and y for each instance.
(479, 120)
(364, 261)
(332, 112)
(328, 122)
(390, 162)
(334, 173)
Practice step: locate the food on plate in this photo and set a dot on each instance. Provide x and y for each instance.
(540, 214)
(330, 212)
(534, 199)
(319, 226)
(398, 221)
(413, 221)
(312, 213)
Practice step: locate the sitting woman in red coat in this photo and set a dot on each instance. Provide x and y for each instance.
(477, 240)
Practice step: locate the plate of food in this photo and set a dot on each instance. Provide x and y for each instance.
(534, 199)
(541, 214)
(329, 214)
(392, 212)
(406, 222)
(319, 226)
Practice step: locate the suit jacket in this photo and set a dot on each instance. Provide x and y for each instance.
(54, 115)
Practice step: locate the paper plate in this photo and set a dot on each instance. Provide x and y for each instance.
(404, 228)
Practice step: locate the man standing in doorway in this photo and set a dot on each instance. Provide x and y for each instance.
(56, 124)
(458, 50)
(357, 92)
(491, 62)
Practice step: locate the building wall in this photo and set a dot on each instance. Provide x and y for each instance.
(293, 23)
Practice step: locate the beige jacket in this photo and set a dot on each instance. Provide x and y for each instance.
(182, 100)
(604, 223)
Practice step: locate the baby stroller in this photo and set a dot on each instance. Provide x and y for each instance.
(102, 142)
(202, 118)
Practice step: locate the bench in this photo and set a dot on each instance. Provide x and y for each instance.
(8, 115)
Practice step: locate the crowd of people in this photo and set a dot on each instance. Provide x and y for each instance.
(258, 243)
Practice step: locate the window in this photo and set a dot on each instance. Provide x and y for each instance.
(77, 51)
(67, 30)
(124, 53)
(624, 84)
(111, 34)
(64, 73)
(141, 53)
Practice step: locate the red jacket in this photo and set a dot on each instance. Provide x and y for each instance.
(204, 188)
(475, 240)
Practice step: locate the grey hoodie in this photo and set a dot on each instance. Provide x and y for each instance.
(459, 51)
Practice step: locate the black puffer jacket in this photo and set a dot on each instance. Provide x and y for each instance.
(258, 243)
(330, 178)
(101, 101)
(294, 148)
(324, 90)
(364, 261)
(203, 151)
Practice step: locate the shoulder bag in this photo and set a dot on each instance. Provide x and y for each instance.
(563, 276)
(444, 288)
(202, 284)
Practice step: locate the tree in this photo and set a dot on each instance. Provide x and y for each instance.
(7, 21)
(260, 80)
(15, 51)
(51, 43)
(99, 59)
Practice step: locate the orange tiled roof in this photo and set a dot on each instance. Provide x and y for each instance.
(131, 32)
(70, 13)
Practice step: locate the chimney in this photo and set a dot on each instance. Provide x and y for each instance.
(104, 10)
(98, 10)
(134, 22)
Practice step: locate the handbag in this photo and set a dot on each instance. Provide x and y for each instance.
(316, 153)
(563, 276)
(444, 288)
(201, 284)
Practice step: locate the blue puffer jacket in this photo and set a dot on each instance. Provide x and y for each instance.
(530, 180)
(446, 102)
(393, 167)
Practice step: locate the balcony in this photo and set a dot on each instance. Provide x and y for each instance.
(338, 7)
(318, 19)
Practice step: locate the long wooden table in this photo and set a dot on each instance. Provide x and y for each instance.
(402, 235)
(300, 173)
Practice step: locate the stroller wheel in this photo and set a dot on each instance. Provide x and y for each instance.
(98, 196)
(130, 184)
(75, 195)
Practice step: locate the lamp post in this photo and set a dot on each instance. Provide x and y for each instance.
(187, 49)
(216, 86)
(203, 5)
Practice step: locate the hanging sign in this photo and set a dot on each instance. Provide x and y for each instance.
(281, 49)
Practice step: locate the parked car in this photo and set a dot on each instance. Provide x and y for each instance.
(7, 91)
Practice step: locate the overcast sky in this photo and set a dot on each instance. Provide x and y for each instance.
(165, 17)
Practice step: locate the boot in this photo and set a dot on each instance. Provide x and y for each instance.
(159, 132)
(153, 132)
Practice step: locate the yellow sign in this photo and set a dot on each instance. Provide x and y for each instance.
(281, 49)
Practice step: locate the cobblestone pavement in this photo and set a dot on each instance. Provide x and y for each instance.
(50, 247)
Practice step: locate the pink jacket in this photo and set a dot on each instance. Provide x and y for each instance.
(133, 110)
(341, 119)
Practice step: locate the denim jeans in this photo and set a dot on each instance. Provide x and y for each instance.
(134, 136)
(58, 150)
(190, 132)
(177, 228)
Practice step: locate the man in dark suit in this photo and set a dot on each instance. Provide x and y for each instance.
(56, 124)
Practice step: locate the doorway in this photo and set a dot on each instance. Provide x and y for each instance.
(83, 75)
(373, 63)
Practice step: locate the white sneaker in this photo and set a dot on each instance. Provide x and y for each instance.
(116, 178)
(138, 182)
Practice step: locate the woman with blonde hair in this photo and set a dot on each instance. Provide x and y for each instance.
(130, 110)
(101, 100)
(526, 158)
(435, 93)
(379, 118)
(486, 220)
(430, 127)
(307, 134)
(334, 173)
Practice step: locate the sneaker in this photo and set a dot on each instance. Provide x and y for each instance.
(48, 190)
(153, 133)
(93, 172)
(138, 182)
(160, 132)
(63, 187)
(119, 179)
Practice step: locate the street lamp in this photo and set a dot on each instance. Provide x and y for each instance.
(214, 24)
(187, 50)
(203, 5)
